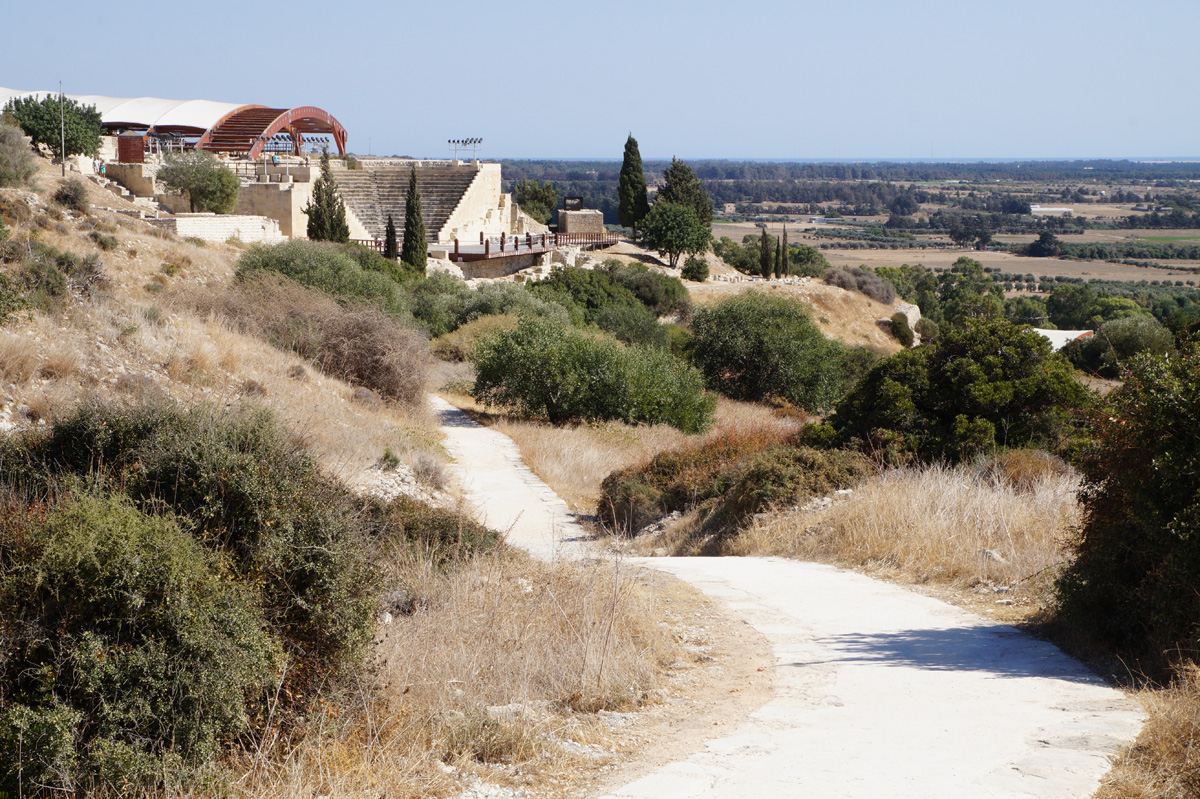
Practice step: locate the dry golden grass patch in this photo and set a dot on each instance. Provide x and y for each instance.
(1164, 761)
(950, 525)
(500, 664)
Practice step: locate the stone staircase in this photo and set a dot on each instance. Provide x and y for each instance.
(377, 191)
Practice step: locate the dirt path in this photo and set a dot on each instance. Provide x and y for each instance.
(878, 691)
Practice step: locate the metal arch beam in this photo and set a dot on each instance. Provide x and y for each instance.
(290, 117)
(207, 137)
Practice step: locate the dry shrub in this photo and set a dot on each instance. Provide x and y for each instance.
(492, 666)
(362, 346)
(194, 367)
(1164, 761)
(458, 345)
(368, 348)
(862, 281)
(952, 525)
(18, 358)
(59, 363)
(1024, 469)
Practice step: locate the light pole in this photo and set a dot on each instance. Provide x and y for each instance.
(62, 127)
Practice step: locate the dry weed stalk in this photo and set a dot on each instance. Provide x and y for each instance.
(947, 524)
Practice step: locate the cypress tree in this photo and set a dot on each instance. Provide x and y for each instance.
(764, 255)
(390, 249)
(778, 260)
(787, 267)
(416, 250)
(631, 188)
(326, 211)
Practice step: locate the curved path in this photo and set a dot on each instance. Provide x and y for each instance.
(879, 692)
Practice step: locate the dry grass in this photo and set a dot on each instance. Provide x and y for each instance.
(18, 358)
(1164, 761)
(500, 664)
(575, 459)
(954, 526)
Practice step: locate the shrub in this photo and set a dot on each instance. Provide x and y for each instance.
(126, 635)
(436, 302)
(753, 346)
(458, 345)
(928, 330)
(585, 293)
(49, 277)
(900, 329)
(326, 267)
(239, 485)
(1132, 583)
(209, 184)
(104, 241)
(72, 194)
(545, 369)
(367, 348)
(862, 281)
(632, 325)
(661, 294)
(695, 269)
(360, 345)
(729, 477)
(1116, 342)
(17, 166)
(506, 298)
(985, 384)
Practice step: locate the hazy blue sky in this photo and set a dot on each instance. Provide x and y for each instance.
(749, 79)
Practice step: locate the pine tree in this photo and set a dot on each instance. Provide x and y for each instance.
(680, 185)
(326, 211)
(764, 255)
(631, 188)
(415, 252)
(787, 267)
(390, 249)
(778, 260)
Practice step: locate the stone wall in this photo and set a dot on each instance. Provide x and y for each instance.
(138, 178)
(222, 227)
(589, 221)
(483, 208)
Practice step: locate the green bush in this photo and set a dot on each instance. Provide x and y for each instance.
(983, 385)
(327, 267)
(1116, 342)
(437, 301)
(695, 269)
(754, 346)
(126, 633)
(900, 329)
(17, 166)
(928, 330)
(545, 369)
(237, 484)
(47, 277)
(210, 186)
(728, 478)
(506, 298)
(661, 294)
(583, 292)
(632, 325)
(1132, 582)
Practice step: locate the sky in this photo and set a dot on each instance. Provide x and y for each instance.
(761, 79)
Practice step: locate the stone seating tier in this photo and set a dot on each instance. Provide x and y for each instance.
(374, 193)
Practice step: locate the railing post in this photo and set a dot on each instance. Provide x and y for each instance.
(456, 246)
(487, 246)
(528, 239)
(502, 239)
(481, 237)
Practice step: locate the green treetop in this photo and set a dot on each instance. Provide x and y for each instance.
(680, 185)
(44, 122)
(326, 211)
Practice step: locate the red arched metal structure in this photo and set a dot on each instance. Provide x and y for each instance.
(248, 129)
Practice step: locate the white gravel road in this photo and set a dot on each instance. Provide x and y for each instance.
(879, 693)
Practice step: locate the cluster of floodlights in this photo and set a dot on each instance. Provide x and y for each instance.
(462, 144)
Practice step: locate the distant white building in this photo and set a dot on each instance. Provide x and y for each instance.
(1061, 338)
(1051, 210)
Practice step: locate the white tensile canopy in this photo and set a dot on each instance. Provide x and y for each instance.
(143, 112)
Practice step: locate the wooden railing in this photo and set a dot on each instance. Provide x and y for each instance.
(505, 245)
